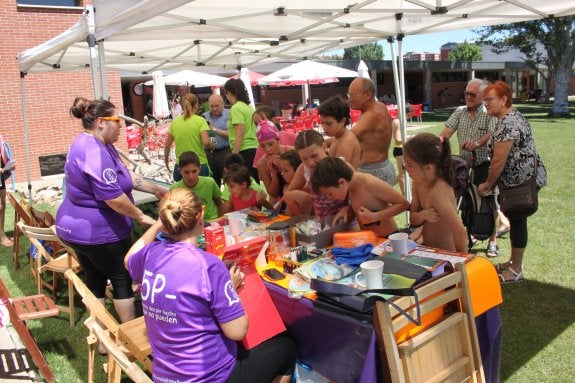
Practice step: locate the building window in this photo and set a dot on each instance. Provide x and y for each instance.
(50, 3)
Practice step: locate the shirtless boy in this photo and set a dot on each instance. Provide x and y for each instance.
(371, 200)
(334, 117)
(373, 130)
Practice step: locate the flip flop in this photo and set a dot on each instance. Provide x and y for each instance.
(517, 276)
(492, 250)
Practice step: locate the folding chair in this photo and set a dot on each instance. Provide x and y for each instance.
(417, 112)
(446, 351)
(21, 213)
(107, 322)
(52, 263)
(116, 356)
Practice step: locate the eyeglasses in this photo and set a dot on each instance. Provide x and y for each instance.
(117, 120)
(350, 95)
(470, 94)
(489, 100)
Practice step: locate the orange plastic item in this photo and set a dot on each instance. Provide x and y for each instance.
(350, 239)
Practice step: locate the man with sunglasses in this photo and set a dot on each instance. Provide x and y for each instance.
(474, 127)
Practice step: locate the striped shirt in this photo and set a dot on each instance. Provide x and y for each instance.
(472, 129)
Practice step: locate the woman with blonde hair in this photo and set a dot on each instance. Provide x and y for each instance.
(190, 133)
(194, 318)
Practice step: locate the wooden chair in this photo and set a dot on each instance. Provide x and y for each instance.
(448, 350)
(107, 322)
(52, 263)
(116, 356)
(21, 213)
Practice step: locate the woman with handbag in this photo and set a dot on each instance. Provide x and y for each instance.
(516, 169)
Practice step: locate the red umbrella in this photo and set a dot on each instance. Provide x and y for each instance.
(254, 77)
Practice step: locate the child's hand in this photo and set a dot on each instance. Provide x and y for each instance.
(344, 214)
(430, 215)
(366, 216)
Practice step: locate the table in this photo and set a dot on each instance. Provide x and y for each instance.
(134, 335)
(141, 198)
(342, 345)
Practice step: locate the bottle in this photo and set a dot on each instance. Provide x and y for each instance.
(279, 241)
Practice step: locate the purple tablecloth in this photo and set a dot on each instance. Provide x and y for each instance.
(341, 345)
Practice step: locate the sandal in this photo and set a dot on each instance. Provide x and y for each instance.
(501, 267)
(492, 250)
(515, 276)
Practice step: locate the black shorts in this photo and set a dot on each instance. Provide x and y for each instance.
(397, 151)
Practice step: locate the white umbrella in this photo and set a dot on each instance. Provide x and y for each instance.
(306, 72)
(246, 78)
(161, 107)
(192, 78)
(362, 70)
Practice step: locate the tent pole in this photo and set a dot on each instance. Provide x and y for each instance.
(91, 40)
(26, 140)
(103, 79)
(401, 107)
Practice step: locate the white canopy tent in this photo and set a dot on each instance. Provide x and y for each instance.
(190, 77)
(149, 35)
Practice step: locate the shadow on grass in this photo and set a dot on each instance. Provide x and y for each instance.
(543, 311)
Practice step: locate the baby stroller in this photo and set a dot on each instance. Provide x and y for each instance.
(477, 211)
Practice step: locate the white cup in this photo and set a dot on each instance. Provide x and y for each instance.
(373, 274)
(237, 222)
(399, 243)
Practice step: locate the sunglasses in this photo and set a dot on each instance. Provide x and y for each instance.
(470, 94)
(117, 120)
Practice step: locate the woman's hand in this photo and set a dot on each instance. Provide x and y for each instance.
(366, 216)
(145, 220)
(237, 277)
(484, 189)
(430, 215)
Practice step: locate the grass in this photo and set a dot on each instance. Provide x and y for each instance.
(538, 314)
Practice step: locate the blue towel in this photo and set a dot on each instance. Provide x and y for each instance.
(354, 256)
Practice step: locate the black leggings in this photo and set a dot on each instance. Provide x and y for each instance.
(275, 357)
(103, 262)
(249, 155)
(518, 232)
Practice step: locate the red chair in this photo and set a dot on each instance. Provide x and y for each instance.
(392, 109)
(298, 124)
(354, 114)
(307, 122)
(417, 112)
(133, 136)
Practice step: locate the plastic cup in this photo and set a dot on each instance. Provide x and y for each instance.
(237, 222)
(399, 243)
(373, 274)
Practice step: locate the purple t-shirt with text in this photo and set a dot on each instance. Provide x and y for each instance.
(186, 294)
(94, 174)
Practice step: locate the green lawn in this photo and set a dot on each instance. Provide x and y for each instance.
(538, 314)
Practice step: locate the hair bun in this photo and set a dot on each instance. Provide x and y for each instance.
(79, 107)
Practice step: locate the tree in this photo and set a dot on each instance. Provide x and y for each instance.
(372, 51)
(556, 36)
(465, 52)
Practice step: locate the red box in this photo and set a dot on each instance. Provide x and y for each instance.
(215, 240)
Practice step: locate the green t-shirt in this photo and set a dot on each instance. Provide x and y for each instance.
(207, 190)
(254, 185)
(241, 113)
(187, 136)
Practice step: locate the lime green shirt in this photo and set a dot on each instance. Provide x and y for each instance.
(254, 185)
(207, 190)
(188, 136)
(241, 113)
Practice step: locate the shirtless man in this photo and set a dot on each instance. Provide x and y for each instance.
(371, 200)
(373, 130)
(334, 117)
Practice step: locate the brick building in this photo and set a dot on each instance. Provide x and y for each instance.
(48, 95)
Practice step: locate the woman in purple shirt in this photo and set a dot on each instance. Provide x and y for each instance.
(95, 218)
(193, 314)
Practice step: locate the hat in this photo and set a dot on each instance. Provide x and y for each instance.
(267, 131)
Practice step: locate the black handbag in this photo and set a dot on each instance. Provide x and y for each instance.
(362, 300)
(522, 200)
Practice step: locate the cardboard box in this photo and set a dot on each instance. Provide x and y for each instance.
(215, 240)
(323, 239)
